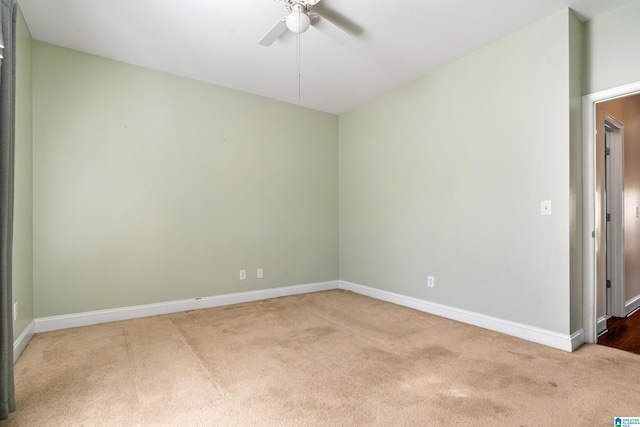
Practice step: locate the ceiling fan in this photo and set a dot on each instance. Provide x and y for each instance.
(299, 20)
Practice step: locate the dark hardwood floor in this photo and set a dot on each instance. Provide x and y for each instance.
(623, 333)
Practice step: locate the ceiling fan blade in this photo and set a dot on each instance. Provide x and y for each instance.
(330, 29)
(274, 33)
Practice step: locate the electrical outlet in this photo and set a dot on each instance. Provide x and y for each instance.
(431, 281)
(15, 311)
(243, 274)
(260, 273)
(545, 207)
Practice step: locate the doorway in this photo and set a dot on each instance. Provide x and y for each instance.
(610, 256)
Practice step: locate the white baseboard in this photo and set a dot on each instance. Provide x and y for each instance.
(53, 323)
(519, 330)
(601, 325)
(20, 343)
(632, 304)
(526, 332)
(577, 339)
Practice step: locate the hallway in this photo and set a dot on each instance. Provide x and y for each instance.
(623, 333)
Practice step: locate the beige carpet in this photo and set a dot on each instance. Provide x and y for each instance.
(329, 358)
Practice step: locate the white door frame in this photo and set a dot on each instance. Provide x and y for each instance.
(589, 201)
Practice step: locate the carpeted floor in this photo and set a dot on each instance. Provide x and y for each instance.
(328, 358)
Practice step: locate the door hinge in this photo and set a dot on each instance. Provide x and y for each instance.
(608, 217)
(607, 151)
(608, 284)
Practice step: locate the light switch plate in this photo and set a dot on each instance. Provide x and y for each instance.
(545, 207)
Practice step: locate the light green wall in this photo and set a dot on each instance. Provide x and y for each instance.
(23, 202)
(150, 187)
(575, 167)
(611, 43)
(445, 175)
(611, 46)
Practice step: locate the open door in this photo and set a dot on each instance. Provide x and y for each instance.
(614, 223)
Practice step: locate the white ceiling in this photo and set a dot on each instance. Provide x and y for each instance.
(216, 41)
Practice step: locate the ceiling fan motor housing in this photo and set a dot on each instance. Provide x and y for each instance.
(298, 21)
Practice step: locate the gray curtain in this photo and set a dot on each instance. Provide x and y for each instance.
(7, 143)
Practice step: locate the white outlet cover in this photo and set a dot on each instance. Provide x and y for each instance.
(545, 207)
(243, 274)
